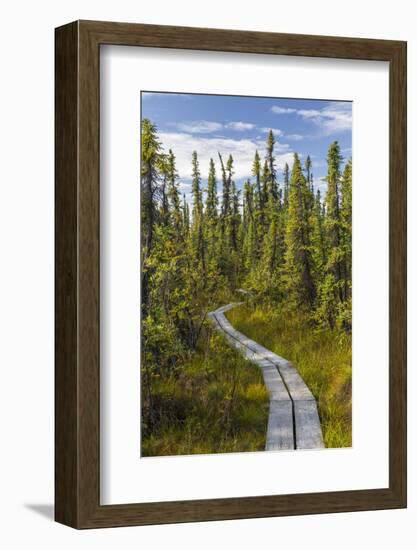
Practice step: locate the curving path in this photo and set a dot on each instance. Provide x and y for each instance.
(293, 421)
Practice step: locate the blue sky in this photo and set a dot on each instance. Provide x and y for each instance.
(239, 125)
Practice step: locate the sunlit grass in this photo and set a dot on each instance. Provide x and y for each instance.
(322, 357)
(215, 403)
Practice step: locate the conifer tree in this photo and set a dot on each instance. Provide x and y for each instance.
(173, 195)
(212, 201)
(298, 257)
(197, 193)
(226, 193)
(309, 175)
(212, 215)
(164, 208)
(286, 185)
(235, 218)
(332, 290)
(345, 309)
(259, 194)
(273, 188)
(197, 213)
(150, 194)
(249, 233)
(150, 189)
(333, 219)
(346, 220)
(318, 239)
(185, 216)
(265, 181)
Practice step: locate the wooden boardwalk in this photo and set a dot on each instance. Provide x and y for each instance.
(293, 421)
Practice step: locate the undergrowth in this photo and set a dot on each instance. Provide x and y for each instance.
(214, 402)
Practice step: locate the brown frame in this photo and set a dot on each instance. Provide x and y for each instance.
(77, 404)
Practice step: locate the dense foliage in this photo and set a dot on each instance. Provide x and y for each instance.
(280, 240)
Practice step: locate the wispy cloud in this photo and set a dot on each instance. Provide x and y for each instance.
(240, 126)
(211, 126)
(282, 110)
(199, 126)
(294, 137)
(242, 150)
(335, 117)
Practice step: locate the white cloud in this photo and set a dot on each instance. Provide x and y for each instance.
(210, 126)
(242, 150)
(240, 126)
(199, 126)
(336, 117)
(294, 137)
(282, 110)
(309, 113)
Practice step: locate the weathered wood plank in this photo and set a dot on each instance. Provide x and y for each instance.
(273, 381)
(296, 386)
(280, 432)
(307, 423)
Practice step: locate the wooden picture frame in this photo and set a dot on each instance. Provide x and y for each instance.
(77, 382)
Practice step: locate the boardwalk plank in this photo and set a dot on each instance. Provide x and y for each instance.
(296, 386)
(308, 430)
(280, 433)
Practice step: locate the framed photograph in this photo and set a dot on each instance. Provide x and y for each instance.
(230, 274)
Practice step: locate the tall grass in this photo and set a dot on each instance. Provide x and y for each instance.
(322, 357)
(215, 402)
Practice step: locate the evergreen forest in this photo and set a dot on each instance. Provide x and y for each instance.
(282, 241)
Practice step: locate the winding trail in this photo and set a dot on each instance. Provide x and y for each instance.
(293, 421)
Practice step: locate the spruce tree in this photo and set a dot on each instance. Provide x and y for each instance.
(318, 239)
(212, 200)
(332, 289)
(333, 219)
(309, 175)
(150, 189)
(273, 188)
(346, 223)
(197, 225)
(150, 194)
(212, 215)
(185, 216)
(173, 195)
(345, 309)
(286, 185)
(259, 195)
(298, 255)
(265, 182)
